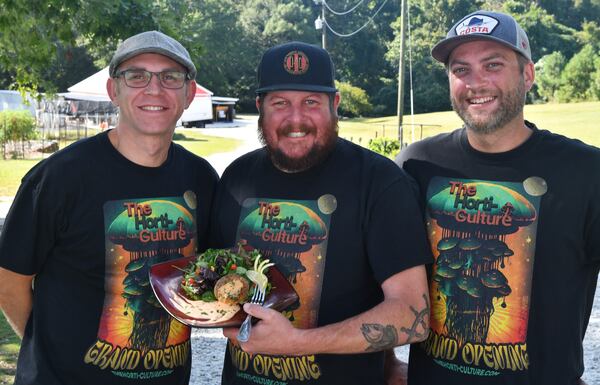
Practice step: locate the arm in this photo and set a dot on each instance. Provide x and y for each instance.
(401, 318)
(16, 298)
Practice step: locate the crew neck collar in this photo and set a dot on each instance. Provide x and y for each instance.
(514, 153)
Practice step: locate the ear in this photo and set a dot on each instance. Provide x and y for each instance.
(111, 90)
(336, 101)
(529, 75)
(258, 103)
(191, 93)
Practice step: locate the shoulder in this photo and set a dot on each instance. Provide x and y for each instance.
(185, 158)
(68, 160)
(428, 147)
(569, 149)
(378, 170)
(245, 163)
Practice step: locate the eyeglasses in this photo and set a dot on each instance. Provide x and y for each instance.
(141, 78)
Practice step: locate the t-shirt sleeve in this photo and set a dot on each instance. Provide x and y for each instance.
(592, 231)
(29, 230)
(396, 238)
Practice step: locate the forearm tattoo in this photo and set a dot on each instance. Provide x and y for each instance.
(420, 327)
(379, 337)
(382, 337)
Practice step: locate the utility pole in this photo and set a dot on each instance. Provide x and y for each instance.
(324, 35)
(320, 23)
(401, 72)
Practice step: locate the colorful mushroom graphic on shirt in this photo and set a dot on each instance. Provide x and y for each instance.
(149, 238)
(283, 236)
(475, 219)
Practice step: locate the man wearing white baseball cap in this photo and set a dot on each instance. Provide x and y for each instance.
(87, 224)
(513, 215)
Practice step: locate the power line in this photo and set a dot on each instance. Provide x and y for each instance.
(359, 29)
(343, 12)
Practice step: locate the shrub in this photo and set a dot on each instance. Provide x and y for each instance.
(16, 126)
(385, 146)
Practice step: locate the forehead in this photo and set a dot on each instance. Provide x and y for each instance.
(480, 49)
(292, 94)
(152, 62)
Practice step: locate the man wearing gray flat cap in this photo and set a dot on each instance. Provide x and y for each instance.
(513, 215)
(87, 224)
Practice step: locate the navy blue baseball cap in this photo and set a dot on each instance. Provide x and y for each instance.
(296, 66)
(484, 25)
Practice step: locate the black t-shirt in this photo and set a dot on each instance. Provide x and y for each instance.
(89, 223)
(516, 238)
(336, 231)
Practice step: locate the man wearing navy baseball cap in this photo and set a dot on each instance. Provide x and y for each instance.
(89, 221)
(341, 223)
(513, 214)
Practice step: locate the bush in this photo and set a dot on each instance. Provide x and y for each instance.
(354, 102)
(16, 126)
(385, 146)
(576, 78)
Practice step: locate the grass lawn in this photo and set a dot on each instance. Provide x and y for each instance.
(575, 120)
(12, 170)
(9, 350)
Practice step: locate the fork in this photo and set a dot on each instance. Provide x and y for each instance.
(258, 298)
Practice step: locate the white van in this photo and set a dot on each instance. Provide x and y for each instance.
(11, 100)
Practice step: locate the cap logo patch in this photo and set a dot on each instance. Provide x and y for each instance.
(477, 24)
(296, 63)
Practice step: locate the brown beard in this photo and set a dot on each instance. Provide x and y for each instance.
(511, 105)
(317, 154)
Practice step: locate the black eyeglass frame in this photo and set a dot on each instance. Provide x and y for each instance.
(120, 74)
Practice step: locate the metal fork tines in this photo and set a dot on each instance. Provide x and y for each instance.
(258, 298)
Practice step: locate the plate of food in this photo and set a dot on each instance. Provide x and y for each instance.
(209, 290)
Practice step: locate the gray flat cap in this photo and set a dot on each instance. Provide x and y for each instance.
(152, 42)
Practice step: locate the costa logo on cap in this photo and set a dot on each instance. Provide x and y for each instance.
(296, 63)
(477, 24)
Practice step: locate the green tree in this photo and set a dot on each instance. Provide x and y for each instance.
(430, 20)
(545, 33)
(37, 38)
(577, 76)
(595, 87)
(548, 75)
(360, 57)
(354, 101)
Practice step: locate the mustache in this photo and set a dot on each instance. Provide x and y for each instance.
(302, 128)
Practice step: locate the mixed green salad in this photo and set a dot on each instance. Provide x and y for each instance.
(226, 275)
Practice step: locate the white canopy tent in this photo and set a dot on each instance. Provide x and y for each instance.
(92, 88)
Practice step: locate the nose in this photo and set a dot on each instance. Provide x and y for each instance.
(154, 86)
(295, 115)
(476, 79)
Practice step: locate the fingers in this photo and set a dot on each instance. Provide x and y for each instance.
(259, 311)
(230, 333)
